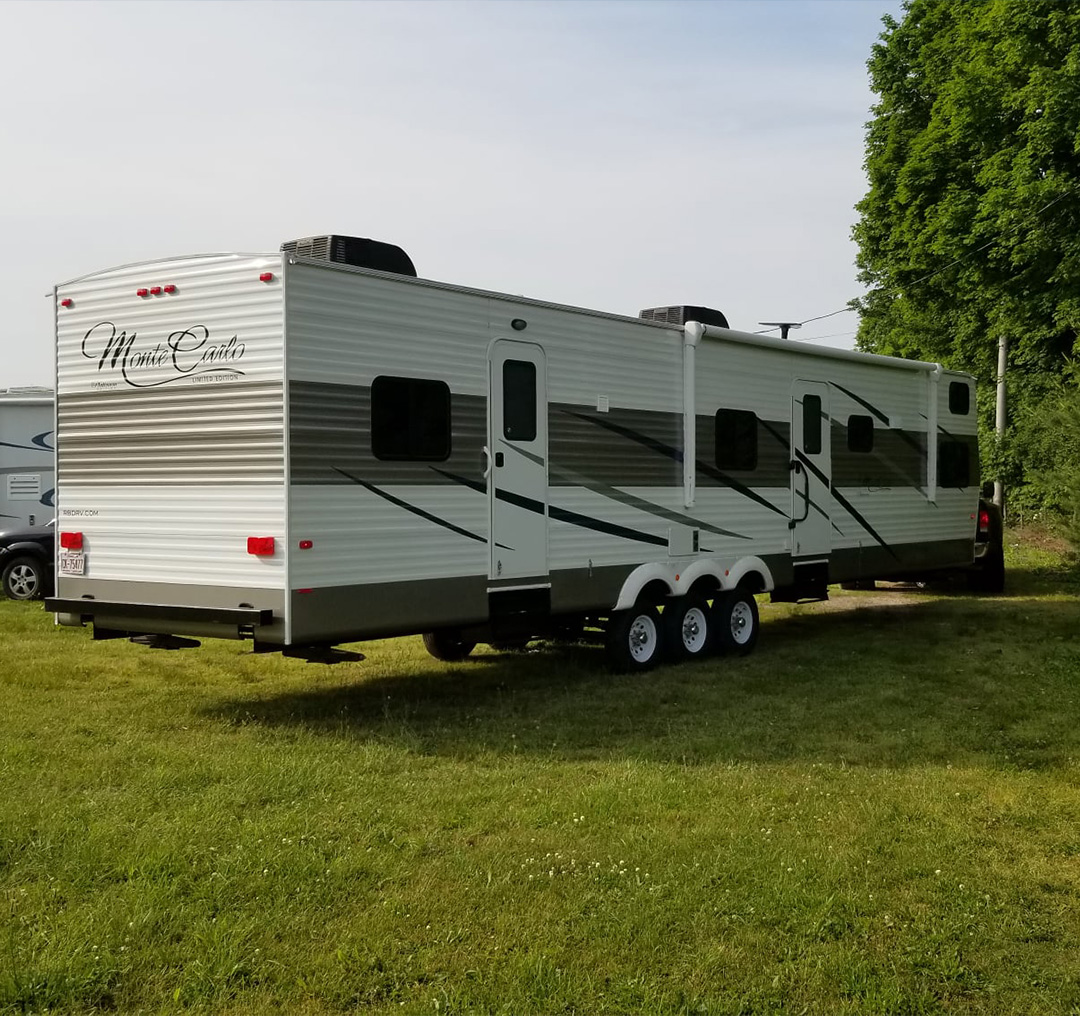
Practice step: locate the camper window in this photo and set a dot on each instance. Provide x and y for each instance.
(860, 433)
(410, 419)
(519, 400)
(736, 439)
(811, 427)
(954, 464)
(959, 398)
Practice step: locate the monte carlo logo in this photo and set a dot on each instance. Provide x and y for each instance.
(187, 355)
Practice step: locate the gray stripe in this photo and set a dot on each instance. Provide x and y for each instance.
(225, 433)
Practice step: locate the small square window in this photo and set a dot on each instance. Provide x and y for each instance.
(410, 419)
(860, 433)
(736, 440)
(959, 398)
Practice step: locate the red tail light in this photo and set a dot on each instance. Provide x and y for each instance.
(984, 521)
(261, 546)
(71, 541)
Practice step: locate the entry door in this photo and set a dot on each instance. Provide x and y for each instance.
(517, 462)
(811, 470)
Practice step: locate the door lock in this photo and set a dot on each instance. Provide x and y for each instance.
(498, 460)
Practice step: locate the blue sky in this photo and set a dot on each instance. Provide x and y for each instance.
(613, 155)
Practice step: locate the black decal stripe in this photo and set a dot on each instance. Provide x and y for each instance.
(24, 447)
(673, 453)
(600, 526)
(740, 488)
(904, 436)
(642, 439)
(632, 501)
(476, 485)
(862, 402)
(770, 429)
(845, 503)
(562, 514)
(39, 440)
(411, 507)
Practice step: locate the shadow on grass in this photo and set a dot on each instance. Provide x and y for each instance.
(865, 680)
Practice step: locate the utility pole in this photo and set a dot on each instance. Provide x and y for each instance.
(999, 417)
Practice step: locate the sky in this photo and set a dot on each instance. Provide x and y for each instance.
(611, 154)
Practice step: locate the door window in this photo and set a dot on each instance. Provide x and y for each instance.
(519, 400)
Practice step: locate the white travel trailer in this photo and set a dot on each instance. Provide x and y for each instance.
(314, 447)
(27, 457)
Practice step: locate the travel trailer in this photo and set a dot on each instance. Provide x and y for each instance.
(27, 467)
(315, 447)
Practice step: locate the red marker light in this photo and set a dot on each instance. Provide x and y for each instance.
(71, 541)
(984, 521)
(67, 303)
(169, 289)
(306, 544)
(266, 277)
(155, 291)
(142, 292)
(260, 546)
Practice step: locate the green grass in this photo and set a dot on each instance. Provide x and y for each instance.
(878, 812)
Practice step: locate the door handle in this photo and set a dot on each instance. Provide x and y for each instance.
(796, 466)
(487, 461)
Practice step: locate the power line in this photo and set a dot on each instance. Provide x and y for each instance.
(952, 264)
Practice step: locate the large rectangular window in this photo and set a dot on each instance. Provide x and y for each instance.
(410, 419)
(736, 440)
(519, 400)
(954, 464)
(811, 427)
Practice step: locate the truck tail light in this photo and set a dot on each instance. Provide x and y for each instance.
(261, 546)
(984, 521)
(71, 541)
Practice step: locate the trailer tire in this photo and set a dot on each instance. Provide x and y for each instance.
(688, 628)
(735, 618)
(635, 639)
(447, 645)
(24, 579)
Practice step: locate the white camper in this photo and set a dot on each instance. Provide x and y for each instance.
(27, 467)
(314, 447)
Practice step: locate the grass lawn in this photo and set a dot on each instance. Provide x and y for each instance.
(877, 812)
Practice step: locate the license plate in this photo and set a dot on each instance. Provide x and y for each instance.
(72, 562)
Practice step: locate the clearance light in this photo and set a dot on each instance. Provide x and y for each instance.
(266, 277)
(67, 303)
(306, 544)
(155, 291)
(71, 541)
(169, 289)
(142, 292)
(261, 546)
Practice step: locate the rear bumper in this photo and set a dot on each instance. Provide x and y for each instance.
(90, 610)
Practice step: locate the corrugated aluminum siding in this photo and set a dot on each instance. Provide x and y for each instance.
(171, 422)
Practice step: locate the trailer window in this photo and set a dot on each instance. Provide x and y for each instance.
(736, 439)
(860, 433)
(410, 419)
(954, 464)
(519, 400)
(811, 425)
(959, 398)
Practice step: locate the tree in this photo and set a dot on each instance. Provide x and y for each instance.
(971, 226)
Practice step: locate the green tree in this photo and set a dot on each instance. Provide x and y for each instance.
(971, 227)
